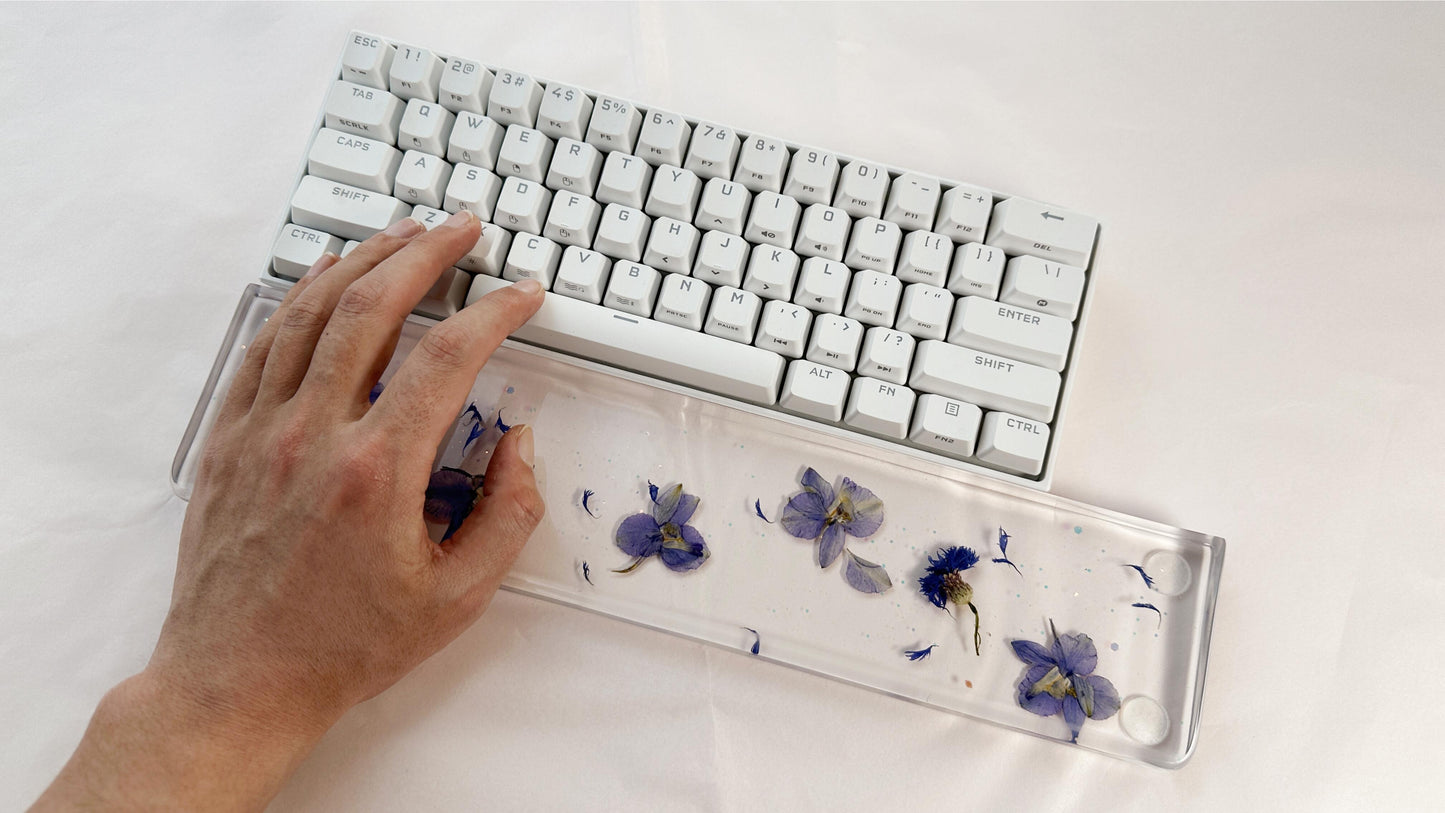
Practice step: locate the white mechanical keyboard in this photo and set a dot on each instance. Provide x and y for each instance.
(924, 314)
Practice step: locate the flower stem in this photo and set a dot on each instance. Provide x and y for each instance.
(977, 638)
(635, 562)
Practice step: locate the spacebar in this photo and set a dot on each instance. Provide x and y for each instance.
(665, 351)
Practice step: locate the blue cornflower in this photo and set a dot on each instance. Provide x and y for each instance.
(1060, 679)
(664, 532)
(450, 496)
(817, 513)
(943, 582)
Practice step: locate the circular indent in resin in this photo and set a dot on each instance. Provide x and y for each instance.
(1144, 720)
(1171, 574)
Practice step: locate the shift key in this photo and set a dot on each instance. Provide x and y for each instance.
(992, 382)
(342, 210)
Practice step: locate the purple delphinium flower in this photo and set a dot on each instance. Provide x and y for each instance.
(450, 496)
(818, 513)
(664, 532)
(1061, 679)
(943, 582)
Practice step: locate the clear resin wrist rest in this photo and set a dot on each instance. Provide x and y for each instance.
(944, 587)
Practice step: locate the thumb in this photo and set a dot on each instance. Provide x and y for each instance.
(505, 516)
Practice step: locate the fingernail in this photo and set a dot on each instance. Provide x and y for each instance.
(326, 261)
(463, 217)
(528, 286)
(406, 227)
(525, 444)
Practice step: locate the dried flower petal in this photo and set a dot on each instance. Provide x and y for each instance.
(865, 576)
(758, 509)
(1148, 582)
(588, 494)
(919, 654)
(639, 535)
(1144, 605)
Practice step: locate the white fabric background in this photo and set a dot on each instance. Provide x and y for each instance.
(1263, 363)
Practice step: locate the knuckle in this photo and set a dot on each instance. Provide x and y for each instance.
(445, 347)
(362, 297)
(529, 507)
(363, 464)
(305, 314)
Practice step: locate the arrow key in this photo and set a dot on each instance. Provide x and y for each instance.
(1021, 226)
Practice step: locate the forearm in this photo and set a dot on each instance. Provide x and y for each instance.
(148, 747)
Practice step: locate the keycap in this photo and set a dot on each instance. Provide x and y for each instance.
(879, 408)
(925, 257)
(514, 99)
(811, 176)
(622, 232)
(874, 245)
(474, 189)
(912, 201)
(572, 220)
(671, 246)
(1011, 331)
(682, 301)
(532, 257)
(614, 125)
(990, 381)
(367, 60)
(733, 315)
(783, 328)
(632, 288)
(422, 179)
(963, 213)
(1021, 226)
(723, 206)
(489, 255)
(773, 220)
(582, 274)
(575, 167)
(862, 186)
(824, 232)
(298, 248)
(814, 390)
(428, 216)
(924, 311)
(761, 164)
(425, 126)
(466, 85)
(873, 298)
(446, 296)
(1013, 443)
(887, 354)
(522, 205)
(945, 425)
(525, 153)
(364, 111)
(475, 140)
(564, 112)
(822, 285)
(977, 270)
(721, 259)
(663, 138)
(415, 73)
(1044, 286)
(835, 341)
(712, 151)
(771, 272)
(353, 160)
(674, 194)
(648, 346)
(625, 179)
(342, 210)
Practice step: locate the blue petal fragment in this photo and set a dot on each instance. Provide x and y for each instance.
(1005, 561)
(919, 654)
(931, 586)
(652, 490)
(375, 393)
(865, 576)
(474, 412)
(639, 535)
(830, 545)
(1003, 541)
(1148, 582)
(504, 427)
(758, 509)
(587, 573)
(450, 496)
(475, 433)
(1144, 605)
(757, 640)
(587, 494)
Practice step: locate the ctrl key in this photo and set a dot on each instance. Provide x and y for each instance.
(1013, 443)
(298, 248)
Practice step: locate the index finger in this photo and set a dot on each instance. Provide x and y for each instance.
(422, 401)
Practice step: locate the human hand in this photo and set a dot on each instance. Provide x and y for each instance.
(306, 581)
